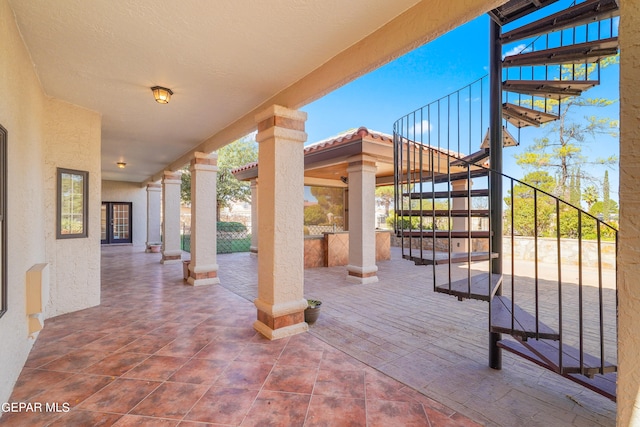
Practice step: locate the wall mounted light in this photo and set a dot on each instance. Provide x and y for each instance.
(121, 165)
(161, 94)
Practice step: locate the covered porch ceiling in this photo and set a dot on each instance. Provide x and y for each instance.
(224, 60)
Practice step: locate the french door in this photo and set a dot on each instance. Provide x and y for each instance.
(115, 220)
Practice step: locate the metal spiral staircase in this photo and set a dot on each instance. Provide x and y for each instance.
(452, 215)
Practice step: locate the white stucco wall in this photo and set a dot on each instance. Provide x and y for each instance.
(43, 134)
(120, 191)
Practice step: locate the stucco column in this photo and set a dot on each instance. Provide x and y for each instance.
(171, 252)
(280, 301)
(460, 223)
(253, 249)
(203, 268)
(628, 260)
(362, 220)
(154, 194)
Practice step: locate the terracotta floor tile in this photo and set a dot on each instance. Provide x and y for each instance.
(200, 371)
(244, 375)
(334, 411)
(86, 418)
(260, 353)
(111, 342)
(156, 368)
(170, 342)
(183, 347)
(139, 421)
(75, 389)
(116, 364)
(170, 400)
(384, 413)
(291, 379)
(300, 357)
(340, 384)
(273, 408)
(33, 381)
(120, 396)
(221, 350)
(223, 405)
(148, 344)
(76, 361)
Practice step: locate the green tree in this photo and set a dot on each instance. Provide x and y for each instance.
(521, 205)
(606, 200)
(561, 150)
(331, 200)
(228, 188)
(314, 215)
(385, 194)
(590, 196)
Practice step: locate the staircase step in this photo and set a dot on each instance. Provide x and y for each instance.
(518, 323)
(447, 194)
(550, 352)
(439, 258)
(582, 13)
(457, 176)
(522, 116)
(475, 288)
(472, 158)
(556, 89)
(453, 213)
(580, 53)
(604, 385)
(507, 139)
(514, 9)
(445, 234)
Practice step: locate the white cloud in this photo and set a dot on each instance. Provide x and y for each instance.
(521, 48)
(421, 128)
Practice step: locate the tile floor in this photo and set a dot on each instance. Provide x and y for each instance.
(159, 353)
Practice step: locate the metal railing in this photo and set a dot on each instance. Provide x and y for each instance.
(230, 237)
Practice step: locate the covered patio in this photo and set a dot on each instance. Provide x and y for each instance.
(159, 352)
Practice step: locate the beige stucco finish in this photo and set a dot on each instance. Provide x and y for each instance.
(362, 223)
(203, 220)
(629, 236)
(280, 236)
(171, 252)
(43, 134)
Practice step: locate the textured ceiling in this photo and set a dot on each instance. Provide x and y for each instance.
(221, 58)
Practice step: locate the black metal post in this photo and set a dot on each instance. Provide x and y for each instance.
(495, 159)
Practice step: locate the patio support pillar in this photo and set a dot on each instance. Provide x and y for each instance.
(171, 252)
(154, 194)
(280, 301)
(362, 220)
(460, 223)
(253, 249)
(203, 268)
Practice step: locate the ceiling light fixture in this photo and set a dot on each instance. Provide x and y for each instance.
(121, 165)
(161, 94)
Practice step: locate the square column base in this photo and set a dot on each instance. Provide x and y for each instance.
(169, 258)
(362, 275)
(287, 331)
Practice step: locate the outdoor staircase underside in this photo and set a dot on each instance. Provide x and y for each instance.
(479, 286)
(428, 257)
(522, 116)
(582, 13)
(556, 89)
(579, 53)
(544, 354)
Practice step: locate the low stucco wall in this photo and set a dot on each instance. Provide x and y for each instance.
(332, 249)
(524, 248)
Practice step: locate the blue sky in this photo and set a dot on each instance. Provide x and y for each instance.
(448, 63)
